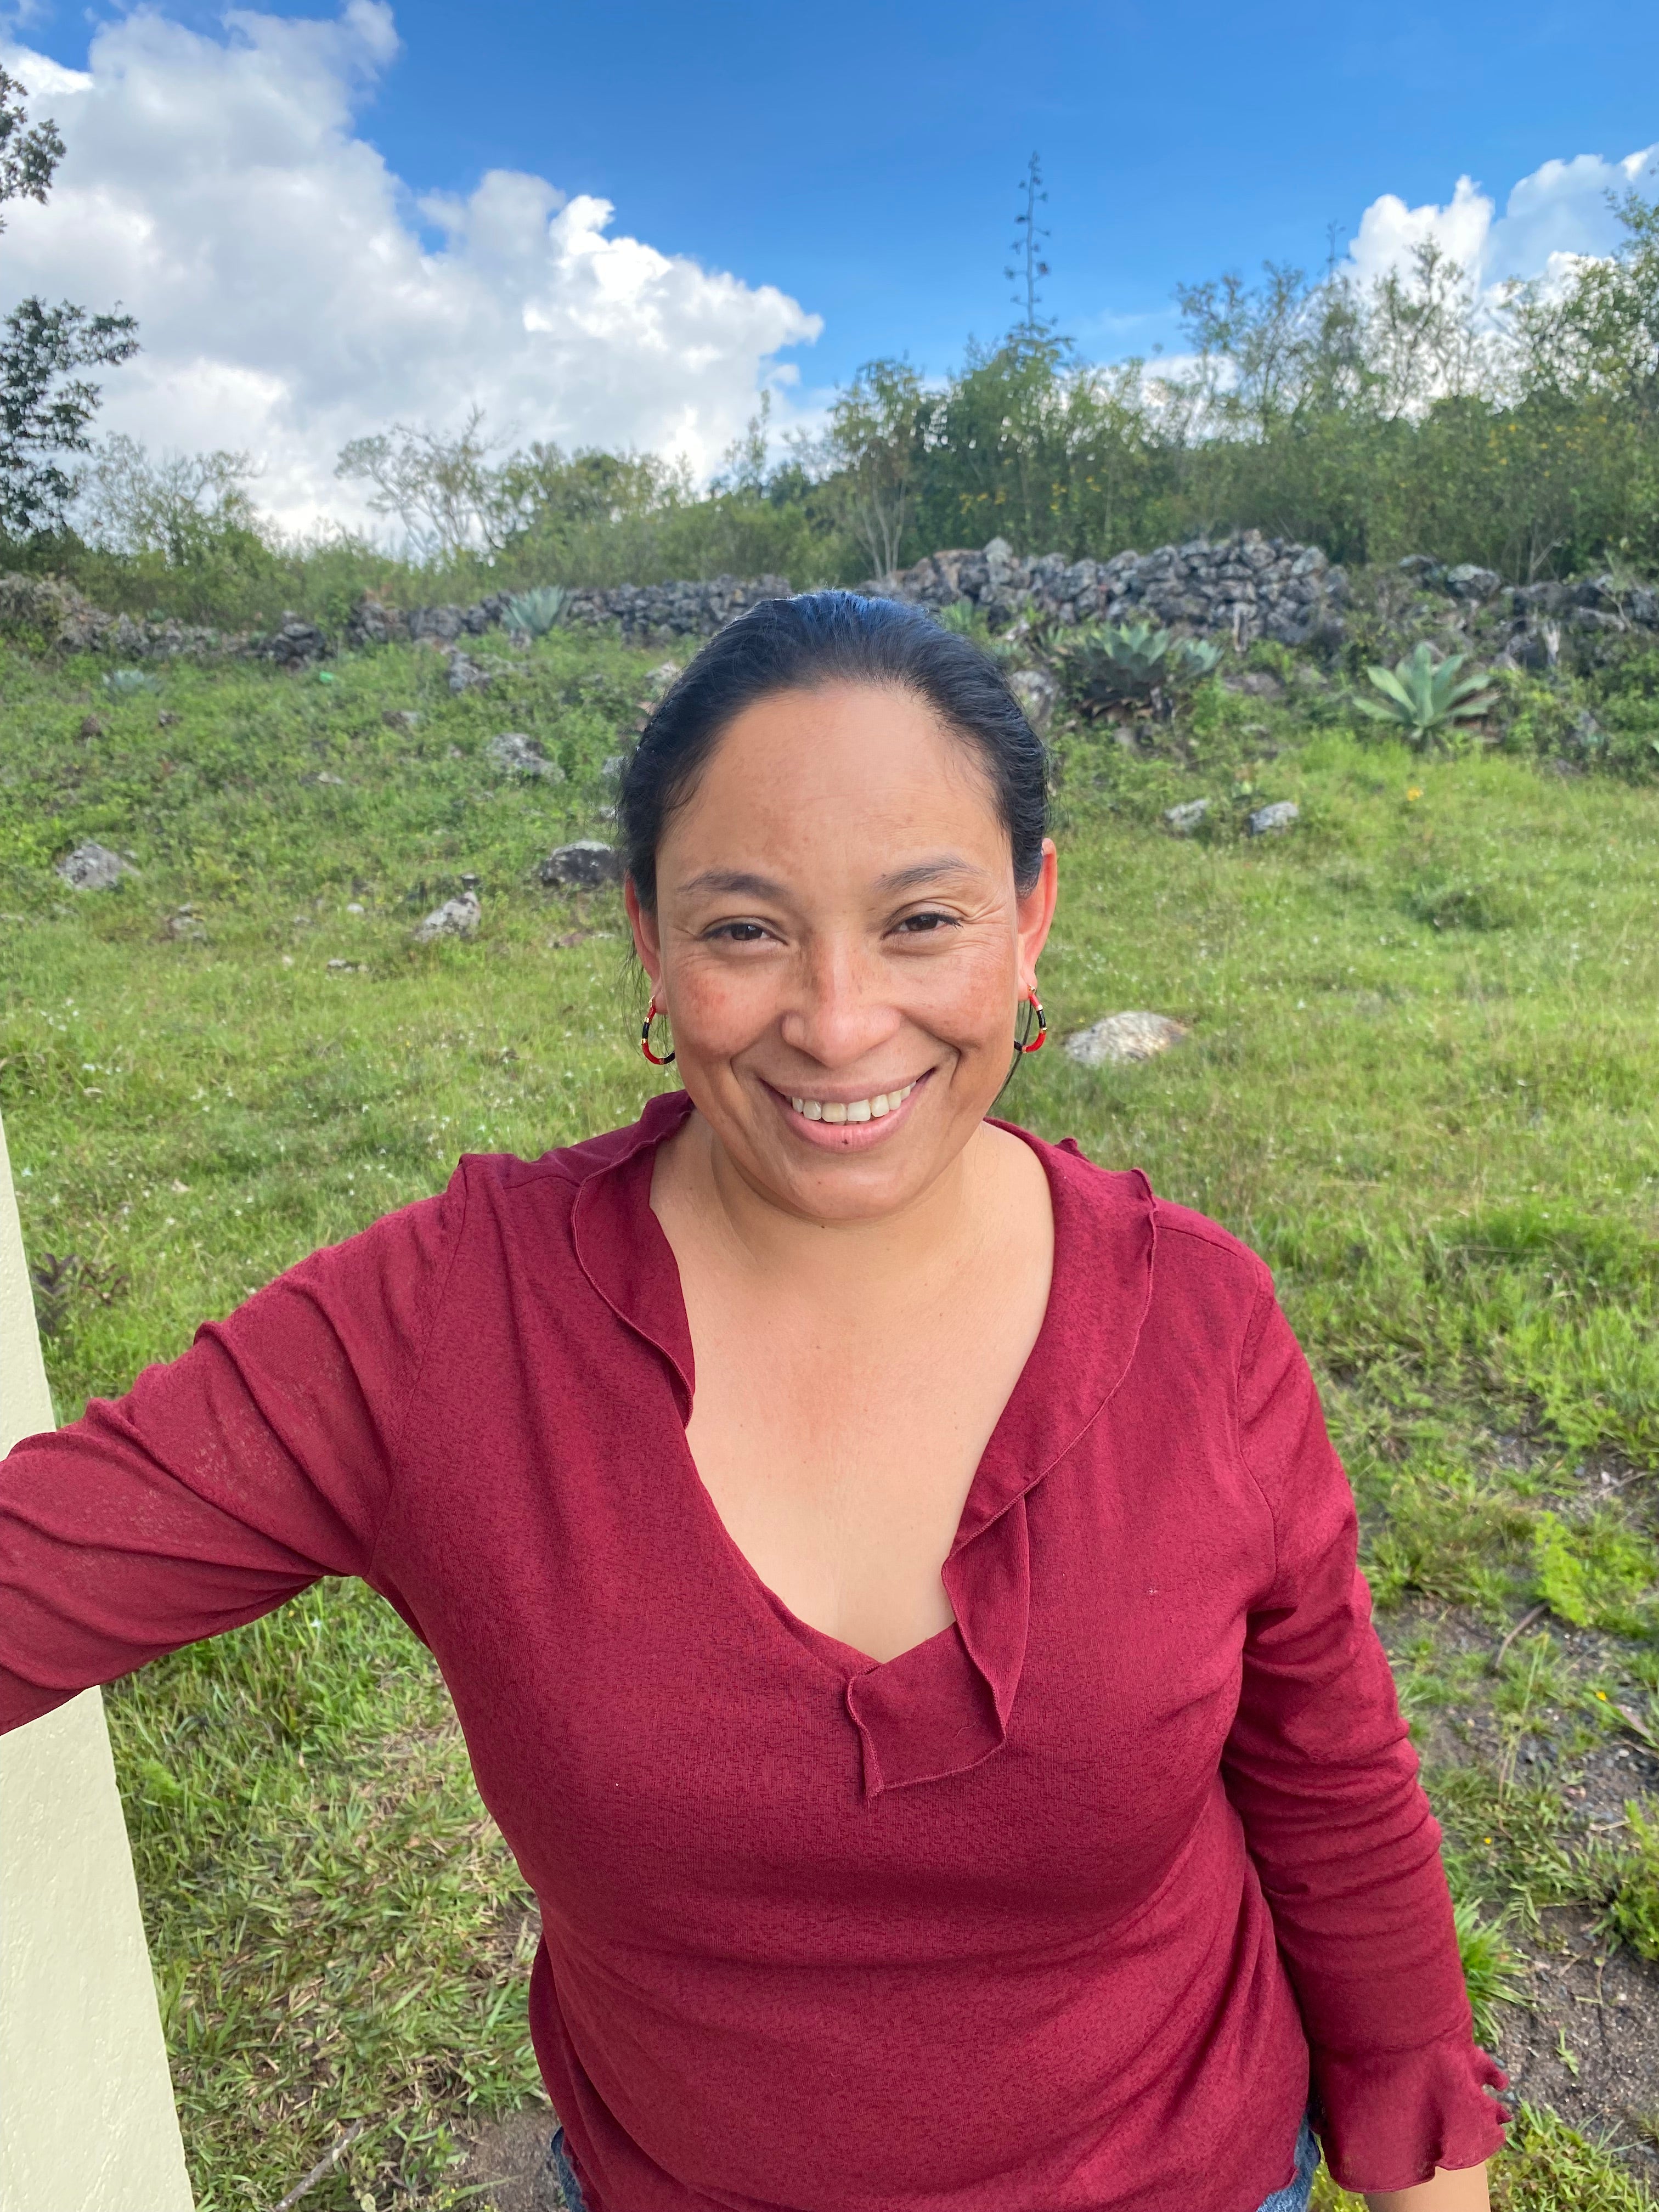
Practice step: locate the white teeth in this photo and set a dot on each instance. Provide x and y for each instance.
(852, 1109)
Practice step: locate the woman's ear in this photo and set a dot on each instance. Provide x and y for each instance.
(647, 941)
(1035, 911)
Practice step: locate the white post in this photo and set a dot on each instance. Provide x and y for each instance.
(87, 2119)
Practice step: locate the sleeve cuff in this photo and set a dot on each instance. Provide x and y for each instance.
(1388, 2119)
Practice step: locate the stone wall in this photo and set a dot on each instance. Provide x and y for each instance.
(1242, 587)
(1239, 588)
(643, 612)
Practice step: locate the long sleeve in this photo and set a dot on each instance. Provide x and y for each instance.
(1324, 1778)
(224, 1483)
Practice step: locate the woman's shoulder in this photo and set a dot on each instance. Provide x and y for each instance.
(1186, 1254)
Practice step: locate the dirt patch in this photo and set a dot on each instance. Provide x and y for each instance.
(509, 2163)
(1587, 2042)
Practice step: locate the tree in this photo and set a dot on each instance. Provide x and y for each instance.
(876, 446)
(46, 404)
(185, 506)
(444, 491)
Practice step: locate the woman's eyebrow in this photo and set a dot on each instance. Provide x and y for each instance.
(732, 883)
(942, 866)
(744, 883)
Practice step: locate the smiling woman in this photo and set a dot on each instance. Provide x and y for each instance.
(892, 1576)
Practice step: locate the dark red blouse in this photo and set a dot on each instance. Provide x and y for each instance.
(1047, 1912)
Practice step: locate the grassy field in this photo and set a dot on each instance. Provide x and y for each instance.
(1420, 1079)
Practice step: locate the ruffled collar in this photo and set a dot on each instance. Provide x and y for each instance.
(945, 1704)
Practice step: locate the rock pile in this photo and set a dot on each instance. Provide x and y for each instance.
(1239, 588)
(1525, 625)
(1243, 588)
(641, 612)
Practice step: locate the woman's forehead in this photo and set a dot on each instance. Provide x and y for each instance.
(864, 753)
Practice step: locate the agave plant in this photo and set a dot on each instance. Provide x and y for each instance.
(126, 683)
(532, 614)
(1109, 664)
(1422, 696)
(963, 617)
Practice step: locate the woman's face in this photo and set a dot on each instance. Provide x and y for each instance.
(840, 948)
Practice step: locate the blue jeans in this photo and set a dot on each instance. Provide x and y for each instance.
(1293, 2197)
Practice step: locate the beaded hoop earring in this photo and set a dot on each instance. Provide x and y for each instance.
(645, 1037)
(1028, 1043)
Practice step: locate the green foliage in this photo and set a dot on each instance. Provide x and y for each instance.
(46, 403)
(1106, 665)
(1426, 697)
(1491, 1971)
(966, 620)
(533, 613)
(1596, 1574)
(1633, 1912)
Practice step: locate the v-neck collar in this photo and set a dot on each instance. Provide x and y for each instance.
(947, 1703)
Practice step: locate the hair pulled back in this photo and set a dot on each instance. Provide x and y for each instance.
(800, 645)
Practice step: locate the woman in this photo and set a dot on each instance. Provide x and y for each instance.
(892, 1576)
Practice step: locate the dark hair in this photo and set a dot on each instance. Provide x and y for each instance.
(828, 637)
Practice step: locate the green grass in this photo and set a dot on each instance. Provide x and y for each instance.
(1421, 1080)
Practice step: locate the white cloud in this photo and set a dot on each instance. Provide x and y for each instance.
(1557, 215)
(287, 300)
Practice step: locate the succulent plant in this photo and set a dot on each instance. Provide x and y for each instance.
(1422, 696)
(1111, 665)
(127, 683)
(532, 614)
(1006, 647)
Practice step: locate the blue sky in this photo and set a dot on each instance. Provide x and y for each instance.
(864, 156)
(330, 216)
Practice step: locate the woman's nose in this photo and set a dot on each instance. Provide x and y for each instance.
(841, 1007)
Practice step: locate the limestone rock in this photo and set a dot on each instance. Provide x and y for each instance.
(94, 867)
(456, 917)
(1270, 821)
(1468, 581)
(465, 674)
(1122, 1038)
(513, 749)
(1185, 818)
(1037, 693)
(583, 865)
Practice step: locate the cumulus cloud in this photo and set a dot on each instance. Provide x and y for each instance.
(1557, 215)
(288, 297)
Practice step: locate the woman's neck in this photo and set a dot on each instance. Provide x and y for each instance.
(699, 1186)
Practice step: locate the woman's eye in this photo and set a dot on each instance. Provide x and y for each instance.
(738, 933)
(925, 925)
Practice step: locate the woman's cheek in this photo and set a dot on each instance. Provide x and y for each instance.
(721, 1009)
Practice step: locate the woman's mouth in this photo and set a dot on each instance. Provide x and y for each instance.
(873, 1108)
(848, 1125)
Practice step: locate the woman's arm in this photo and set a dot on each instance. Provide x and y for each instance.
(225, 1482)
(1320, 1769)
(1464, 2190)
